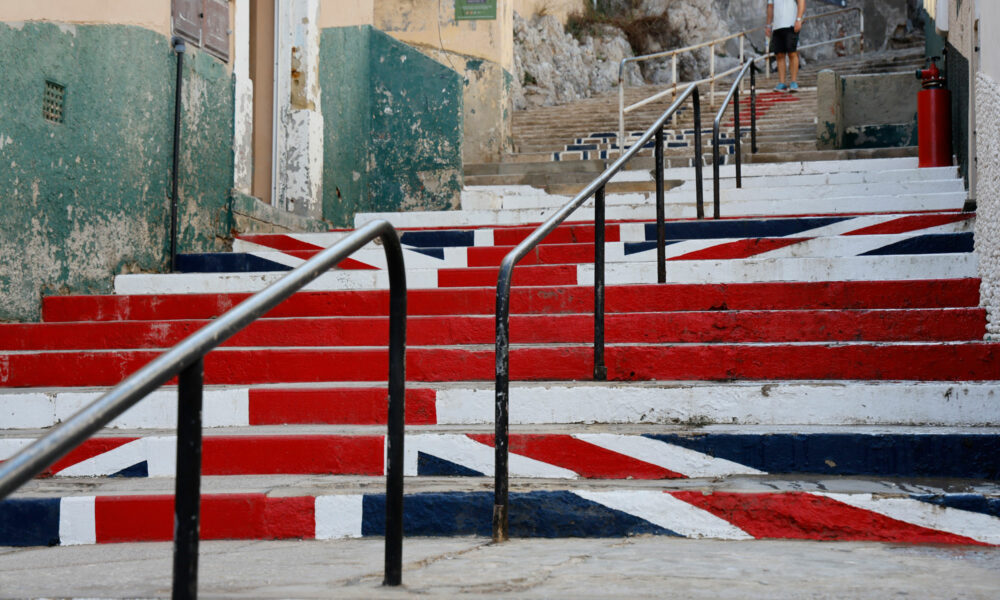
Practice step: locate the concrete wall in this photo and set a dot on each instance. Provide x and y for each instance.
(987, 233)
(88, 198)
(393, 126)
(866, 111)
(481, 52)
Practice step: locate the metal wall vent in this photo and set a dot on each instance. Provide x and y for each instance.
(53, 101)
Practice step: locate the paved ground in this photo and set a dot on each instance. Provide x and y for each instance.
(568, 568)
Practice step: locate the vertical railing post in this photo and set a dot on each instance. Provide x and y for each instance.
(179, 49)
(711, 63)
(621, 107)
(742, 37)
(673, 77)
(715, 168)
(661, 242)
(753, 109)
(397, 410)
(500, 472)
(698, 160)
(187, 483)
(600, 370)
(861, 31)
(737, 135)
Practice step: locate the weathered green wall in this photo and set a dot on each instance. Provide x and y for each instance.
(407, 153)
(89, 198)
(866, 111)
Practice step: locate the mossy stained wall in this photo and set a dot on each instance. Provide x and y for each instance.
(88, 198)
(393, 126)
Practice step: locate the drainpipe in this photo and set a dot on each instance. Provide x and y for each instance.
(179, 48)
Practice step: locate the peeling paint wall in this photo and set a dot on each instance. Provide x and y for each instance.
(392, 126)
(482, 52)
(88, 198)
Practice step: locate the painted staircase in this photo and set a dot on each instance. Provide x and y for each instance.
(813, 369)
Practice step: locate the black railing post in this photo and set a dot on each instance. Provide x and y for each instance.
(600, 370)
(715, 169)
(179, 49)
(698, 160)
(753, 110)
(661, 242)
(187, 490)
(500, 474)
(397, 409)
(738, 135)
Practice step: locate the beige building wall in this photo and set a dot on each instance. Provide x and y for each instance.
(346, 13)
(151, 14)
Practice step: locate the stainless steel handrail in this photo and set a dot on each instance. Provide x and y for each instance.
(734, 97)
(596, 189)
(713, 76)
(185, 360)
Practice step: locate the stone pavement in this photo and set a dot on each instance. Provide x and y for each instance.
(639, 567)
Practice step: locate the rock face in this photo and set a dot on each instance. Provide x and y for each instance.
(552, 67)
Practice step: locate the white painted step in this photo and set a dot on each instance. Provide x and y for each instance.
(855, 268)
(638, 207)
(800, 403)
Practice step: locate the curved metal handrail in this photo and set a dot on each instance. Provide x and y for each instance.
(734, 97)
(596, 189)
(713, 76)
(186, 360)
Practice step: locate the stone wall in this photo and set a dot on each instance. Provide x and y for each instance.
(393, 127)
(89, 197)
(988, 201)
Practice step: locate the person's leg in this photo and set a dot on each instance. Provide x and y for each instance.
(793, 66)
(781, 67)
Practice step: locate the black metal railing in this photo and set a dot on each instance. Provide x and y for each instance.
(734, 97)
(186, 361)
(596, 189)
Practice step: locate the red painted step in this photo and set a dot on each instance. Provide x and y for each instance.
(932, 293)
(337, 406)
(967, 361)
(662, 327)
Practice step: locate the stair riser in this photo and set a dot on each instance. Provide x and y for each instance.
(719, 515)
(773, 403)
(704, 327)
(943, 293)
(920, 362)
(551, 456)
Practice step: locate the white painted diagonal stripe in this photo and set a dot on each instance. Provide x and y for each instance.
(978, 526)
(77, 522)
(668, 512)
(463, 450)
(339, 516)
(674, 458)
(109, 462)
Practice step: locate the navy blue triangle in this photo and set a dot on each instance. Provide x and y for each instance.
(432, 252)
(137, 470)
(428, 464)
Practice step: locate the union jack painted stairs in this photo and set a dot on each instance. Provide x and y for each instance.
(813, 369)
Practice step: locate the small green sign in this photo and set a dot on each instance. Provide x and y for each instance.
(469, 10)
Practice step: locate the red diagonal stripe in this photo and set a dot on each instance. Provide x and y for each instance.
(911, 223)
(87, 449)
(590, 461)
(740, 249)
(279, 242)
(798, 515)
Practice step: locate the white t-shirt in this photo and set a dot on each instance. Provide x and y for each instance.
(785, 12)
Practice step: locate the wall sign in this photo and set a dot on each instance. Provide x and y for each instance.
(469, 10)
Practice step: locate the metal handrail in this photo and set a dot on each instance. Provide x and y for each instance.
(186, 360)
(713, 76)
(596, 189)
(734, 97)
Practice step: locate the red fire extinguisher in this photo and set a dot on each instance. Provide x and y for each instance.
(933, 118)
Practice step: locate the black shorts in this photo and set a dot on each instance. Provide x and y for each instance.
(784, 40)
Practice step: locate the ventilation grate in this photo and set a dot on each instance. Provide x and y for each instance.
(52, 102)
